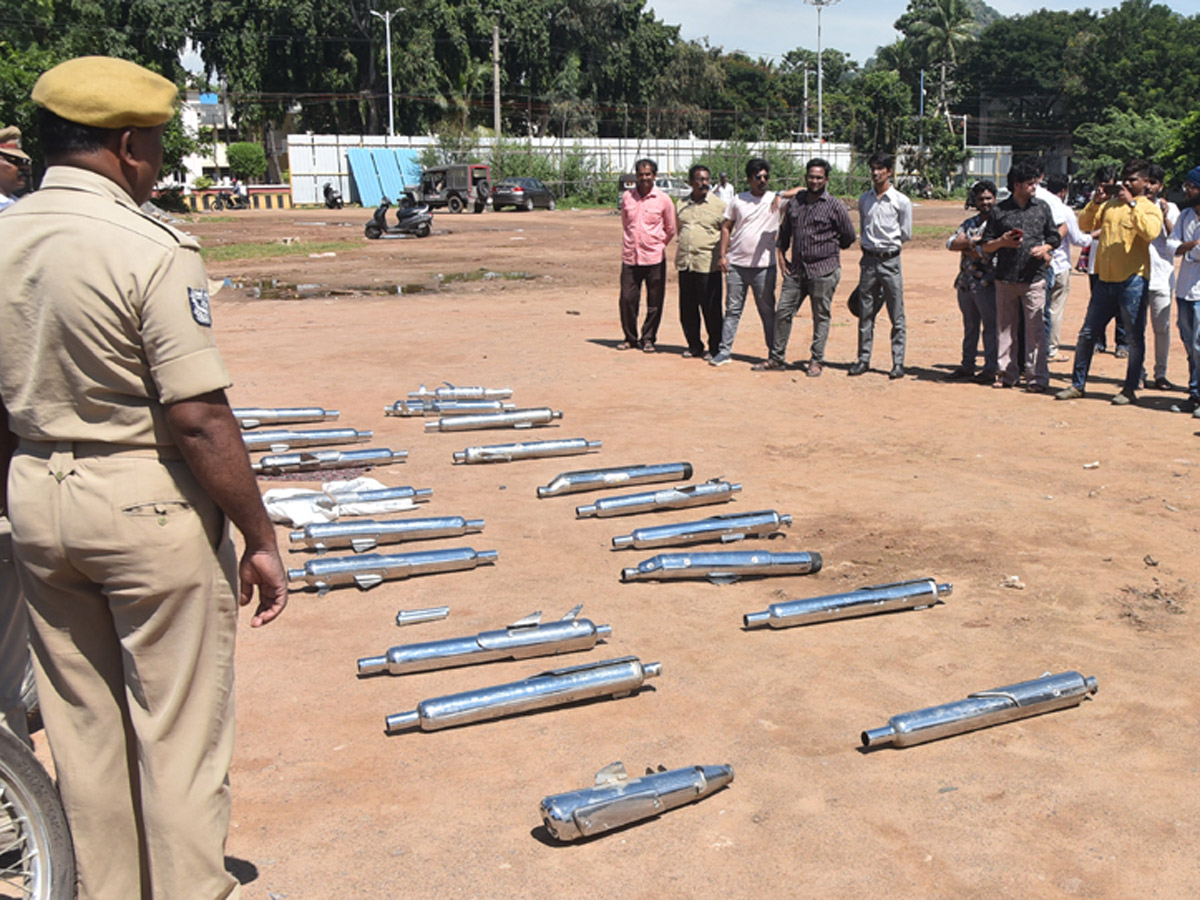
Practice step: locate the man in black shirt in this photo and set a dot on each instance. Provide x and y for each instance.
(1022, 234)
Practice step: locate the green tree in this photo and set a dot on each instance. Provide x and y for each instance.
(940, 29)
(1182, 152)
(1119, 137)
(246, 160)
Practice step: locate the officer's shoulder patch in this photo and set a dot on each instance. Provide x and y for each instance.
(201, 311)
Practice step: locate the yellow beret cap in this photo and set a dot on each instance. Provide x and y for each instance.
(105, 92)
(10, 142)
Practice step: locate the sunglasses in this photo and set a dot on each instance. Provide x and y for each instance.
(761, 176)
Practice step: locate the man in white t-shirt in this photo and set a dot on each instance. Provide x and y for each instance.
(1186, 235)
(747, 257)
(724, 190)
(1162, 278)
(1060, 263)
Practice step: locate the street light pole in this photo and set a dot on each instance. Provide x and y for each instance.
(496, 74)
(387, 30)
(820, 5)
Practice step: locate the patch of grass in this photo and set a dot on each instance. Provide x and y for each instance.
(255, 250)
(934, 231)
(207, 218)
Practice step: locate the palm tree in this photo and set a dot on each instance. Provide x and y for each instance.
(942, 29)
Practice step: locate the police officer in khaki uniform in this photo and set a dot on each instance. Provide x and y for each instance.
(127, 468)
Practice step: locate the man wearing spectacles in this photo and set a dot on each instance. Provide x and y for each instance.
(14, 167)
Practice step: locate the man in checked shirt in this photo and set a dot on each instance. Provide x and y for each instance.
(816, 227)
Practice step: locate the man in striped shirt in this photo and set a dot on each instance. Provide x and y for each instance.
(816, 227)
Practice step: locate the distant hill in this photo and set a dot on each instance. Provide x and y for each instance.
(984, 14)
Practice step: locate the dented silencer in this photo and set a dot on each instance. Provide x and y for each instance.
(370, 569)
(616, 799)
(316, 460)
(517, 418)
(980, 710)
(450, 392)
(866, 601)
(367, 534)
(618, 677)
(529, 450)
(254, 416)
(602, 479)
(723, 566)
(726, 529)
(678, 497)
(525, 639)
(280, 440)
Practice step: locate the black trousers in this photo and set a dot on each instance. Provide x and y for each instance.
(632, 278)
(700, 295)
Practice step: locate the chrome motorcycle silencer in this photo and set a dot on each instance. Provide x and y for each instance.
(494, 453)
(367, 534)
(618, 677)
(983, 709)
(279, 440)
(254, 416)
(517, 418)
(615, 476)
(868, 601)
(371, 569)
(678, 497)
(723, 566)
(524, 639)
(449, 392)
(409, 408)
(724, 529)
(616, 800)
(316, 460)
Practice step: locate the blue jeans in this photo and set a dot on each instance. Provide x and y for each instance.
(1189, 333)
(762, 282)
(1126, 300)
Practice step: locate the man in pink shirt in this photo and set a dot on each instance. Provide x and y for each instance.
(648, 217)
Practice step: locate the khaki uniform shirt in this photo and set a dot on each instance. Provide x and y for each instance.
(699, 233)
(104, 316)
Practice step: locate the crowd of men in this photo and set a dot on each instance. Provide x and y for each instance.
(1013, 283)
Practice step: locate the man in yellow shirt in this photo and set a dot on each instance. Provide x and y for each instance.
(1128, 222)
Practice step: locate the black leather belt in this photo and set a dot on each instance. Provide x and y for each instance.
(886, 254)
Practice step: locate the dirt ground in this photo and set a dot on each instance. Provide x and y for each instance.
(887, 480)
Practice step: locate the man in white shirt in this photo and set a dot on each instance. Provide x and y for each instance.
(724, 190)
(1162, 278)
(1060, 262)
(885, 223)
(1187, 287)
(747, 257)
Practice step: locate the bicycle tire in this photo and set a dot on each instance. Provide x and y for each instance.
(39, 861)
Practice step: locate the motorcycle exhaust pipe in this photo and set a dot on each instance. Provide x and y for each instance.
(983, 709)
(602, 479)
(521, 640)
(254, 416)
(706, 494)
(316, 460)
(417, 495)
(279, 441)
(367, 534)
(866, 601)
(371, 569)
(726, 529)
(722, 567)
(417, 616)
(446, 407)
(517, 418)
(530, 450)
(616, 799)
(450, 392)
(618, 677)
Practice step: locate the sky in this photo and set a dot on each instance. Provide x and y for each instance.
(770, 28)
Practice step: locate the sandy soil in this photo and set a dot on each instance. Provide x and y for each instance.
(888, 481)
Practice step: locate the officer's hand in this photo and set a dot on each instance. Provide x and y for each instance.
(265, 569)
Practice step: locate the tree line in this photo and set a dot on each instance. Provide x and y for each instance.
(611, 68)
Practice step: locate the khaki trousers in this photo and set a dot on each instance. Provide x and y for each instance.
(129, 571)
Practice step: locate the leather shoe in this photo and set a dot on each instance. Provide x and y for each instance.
(897, 372)
(857, 368)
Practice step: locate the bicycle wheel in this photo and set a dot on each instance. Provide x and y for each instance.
(37, 861)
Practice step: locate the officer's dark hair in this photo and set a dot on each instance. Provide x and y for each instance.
(1023, 170)
(980, 186)
(697, 168)
(61, 137)
(1155, 172)
(818, 163)
(1056, 184)
(882, 160)
(756, 165)
(1135, 167)
(646, 162)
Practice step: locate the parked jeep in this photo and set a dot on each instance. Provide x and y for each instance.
(455, 187)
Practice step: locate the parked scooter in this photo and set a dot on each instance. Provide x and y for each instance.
(333, 197)
(410, 219)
